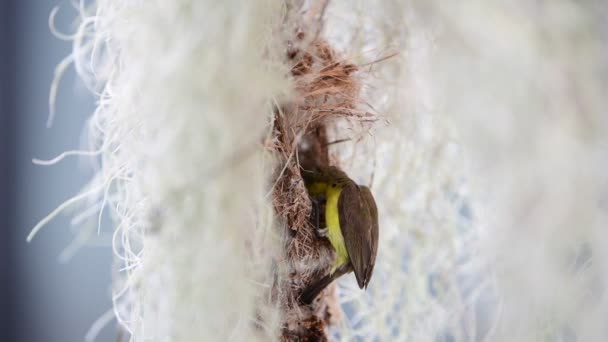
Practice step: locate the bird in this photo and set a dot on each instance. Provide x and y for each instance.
(351, 219)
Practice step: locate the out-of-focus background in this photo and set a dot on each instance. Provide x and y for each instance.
(43, 299)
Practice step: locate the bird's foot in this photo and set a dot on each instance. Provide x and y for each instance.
(322, 232)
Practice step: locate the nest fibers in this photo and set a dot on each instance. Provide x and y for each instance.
(488, 176)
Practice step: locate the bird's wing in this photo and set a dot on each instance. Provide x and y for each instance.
(355, 222)
(368, 198)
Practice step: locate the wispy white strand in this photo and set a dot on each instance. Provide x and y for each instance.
(58, 74)
(98, 325)
(64, 155)
(58, 34)
(61, 208)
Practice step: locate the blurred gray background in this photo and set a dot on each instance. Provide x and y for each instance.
(43, 299)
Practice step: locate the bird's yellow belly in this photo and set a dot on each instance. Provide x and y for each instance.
(334, 233)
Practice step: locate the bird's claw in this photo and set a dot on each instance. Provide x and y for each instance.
(322, 232)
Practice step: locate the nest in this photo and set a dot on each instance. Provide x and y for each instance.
(326, 91)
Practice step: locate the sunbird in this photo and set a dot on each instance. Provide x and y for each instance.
(351, 217)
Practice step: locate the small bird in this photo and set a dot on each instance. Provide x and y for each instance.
(351, 217)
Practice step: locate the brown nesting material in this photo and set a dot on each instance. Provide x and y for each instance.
(326, 91)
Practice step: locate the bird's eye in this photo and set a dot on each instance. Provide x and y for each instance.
(333, 185)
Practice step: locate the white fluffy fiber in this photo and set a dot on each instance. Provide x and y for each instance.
(184, 113)
(489, 175)
(184, 108)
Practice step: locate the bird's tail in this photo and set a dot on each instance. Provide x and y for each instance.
(312, 291)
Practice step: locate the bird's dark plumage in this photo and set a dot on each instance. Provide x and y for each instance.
(357, 225)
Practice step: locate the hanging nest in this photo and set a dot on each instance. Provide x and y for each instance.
(326, 91)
